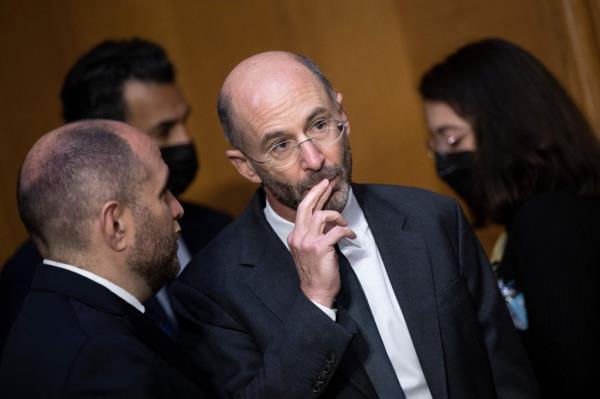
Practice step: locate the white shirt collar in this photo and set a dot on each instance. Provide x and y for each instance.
(351, 212)
(115, 289)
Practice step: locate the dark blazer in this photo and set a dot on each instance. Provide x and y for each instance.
(553, 253)
(75, 338)
(240, 304)
(15, 281)
(199, 225)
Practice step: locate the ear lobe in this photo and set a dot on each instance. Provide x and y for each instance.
(243, 165)
(114, 227)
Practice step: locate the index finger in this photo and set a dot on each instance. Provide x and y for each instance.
(311, 200)
(323, 198)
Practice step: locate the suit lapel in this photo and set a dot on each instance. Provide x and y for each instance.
(161, 344)
(275, 280)
(406, 261)
(50, 278)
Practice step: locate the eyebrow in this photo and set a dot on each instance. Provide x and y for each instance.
(272, 135)
(444, 128)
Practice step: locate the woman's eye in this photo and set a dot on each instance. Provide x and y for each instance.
(453, 141)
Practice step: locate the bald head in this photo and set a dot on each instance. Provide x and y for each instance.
(70, 172)
(256, 80)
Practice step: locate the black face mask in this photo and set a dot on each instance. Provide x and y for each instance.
(456, 169)
(183, 165)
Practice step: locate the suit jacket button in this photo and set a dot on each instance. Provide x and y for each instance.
(321, 378)
(316, 387)
(330, 358)
(327, 368)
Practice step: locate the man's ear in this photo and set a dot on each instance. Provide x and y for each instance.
(243, 165)
(338, 98)
(115, 226)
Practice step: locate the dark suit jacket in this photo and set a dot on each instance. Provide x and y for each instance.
(553, 253)
(239, 304)
(199, 225)
(75, 338)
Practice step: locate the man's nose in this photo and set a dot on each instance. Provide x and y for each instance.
(310, 155)
(180, 135)
(175, 207)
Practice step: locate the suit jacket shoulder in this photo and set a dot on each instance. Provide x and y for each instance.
(74, 338)
(415, 202)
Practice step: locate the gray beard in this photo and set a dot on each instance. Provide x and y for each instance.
(291, 194)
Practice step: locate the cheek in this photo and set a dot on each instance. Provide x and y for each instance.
(334, 155)
(169, 213)
(178, 135)
(279, 176)
(287, 177)
(468, 143)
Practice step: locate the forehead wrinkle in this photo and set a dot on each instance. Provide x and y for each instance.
(289, 106)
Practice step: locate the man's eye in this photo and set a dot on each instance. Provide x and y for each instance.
(164, 132)
(281, 146)
(319, 125)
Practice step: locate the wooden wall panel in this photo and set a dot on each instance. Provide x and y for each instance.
(28, 103)
(373, 51)
(583, 40)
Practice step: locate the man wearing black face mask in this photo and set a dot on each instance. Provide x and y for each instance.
(131, 81)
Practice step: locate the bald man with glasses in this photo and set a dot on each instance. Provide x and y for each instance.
(325, 288)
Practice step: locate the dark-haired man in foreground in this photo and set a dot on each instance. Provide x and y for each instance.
(132, 81)
(323, 288)
(94, 198)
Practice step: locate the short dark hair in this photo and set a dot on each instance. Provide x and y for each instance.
(225, 112)
(75, 178)
(93, 87)
(530, 135)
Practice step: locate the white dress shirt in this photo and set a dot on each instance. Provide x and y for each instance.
(115, 289)
(364, 258)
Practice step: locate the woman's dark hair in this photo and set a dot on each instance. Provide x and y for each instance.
(530, 135)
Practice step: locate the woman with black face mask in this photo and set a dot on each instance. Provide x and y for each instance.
(510, 141)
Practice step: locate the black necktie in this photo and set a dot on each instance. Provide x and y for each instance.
(368, 344)
(159, 316)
